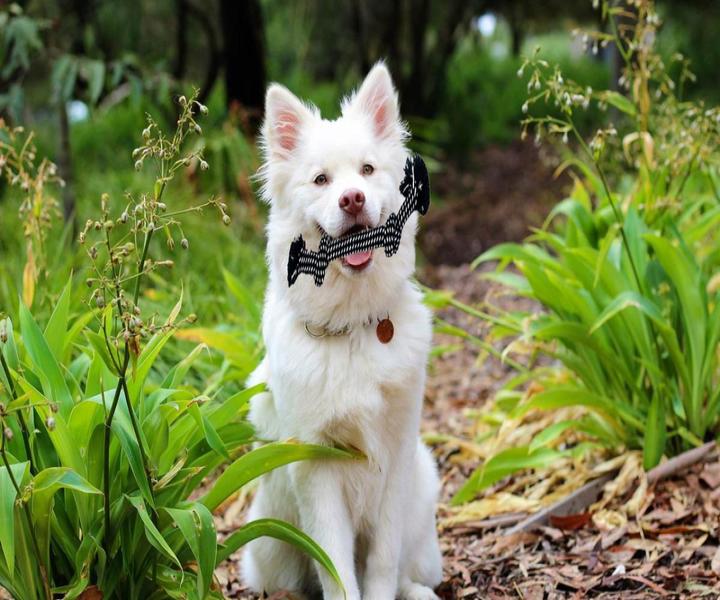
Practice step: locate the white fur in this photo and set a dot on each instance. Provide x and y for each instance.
(376, 517)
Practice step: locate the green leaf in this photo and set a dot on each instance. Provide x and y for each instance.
(248, 301)
(230, 408)
(57, 325)
(208, 431)
(151, 532)
(146, 360)
(620, 102)
(45, 363)
(66, 448)
(655, 433)
(8, 494)
(44, 485)
(94, 74)
(229, 344)
(685, 278)
(281, 531)
(198, 528)
(63, 77)
(500, 466)
(264, 459)
(134, 455)
(550, 434)
(562, 396)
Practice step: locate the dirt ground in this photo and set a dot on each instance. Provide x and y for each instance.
(669, 549)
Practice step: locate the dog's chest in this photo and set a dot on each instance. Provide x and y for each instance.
(343, 384)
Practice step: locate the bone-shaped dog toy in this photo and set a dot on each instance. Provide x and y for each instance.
(415, 187)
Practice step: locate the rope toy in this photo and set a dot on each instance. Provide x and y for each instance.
(415, 188)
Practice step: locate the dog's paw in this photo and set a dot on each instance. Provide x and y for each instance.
(415, 591)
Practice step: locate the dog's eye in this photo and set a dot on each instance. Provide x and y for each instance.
(321, 179)
(368, 169)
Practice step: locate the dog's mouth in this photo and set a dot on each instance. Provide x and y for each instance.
(359, 260)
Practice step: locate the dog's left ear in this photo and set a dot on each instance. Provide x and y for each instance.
(378, 99)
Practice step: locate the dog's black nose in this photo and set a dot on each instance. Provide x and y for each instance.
(352, 201)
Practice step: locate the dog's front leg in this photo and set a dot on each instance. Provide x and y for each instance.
(380, 581)
(325, 517)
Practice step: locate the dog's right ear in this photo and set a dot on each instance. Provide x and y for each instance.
(285, 115)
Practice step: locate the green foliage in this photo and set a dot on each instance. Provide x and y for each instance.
(485, 96)
(110, 429)
(627, 277)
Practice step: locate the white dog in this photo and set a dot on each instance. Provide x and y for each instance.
(331, 379)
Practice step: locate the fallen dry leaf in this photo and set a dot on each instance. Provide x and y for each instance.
(570, 522)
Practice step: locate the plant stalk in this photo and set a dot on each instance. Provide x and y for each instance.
(44, 573)
(23, 425)
(106, 464)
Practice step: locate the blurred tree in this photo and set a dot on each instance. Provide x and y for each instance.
(244, 58)
(691, 27)
(417, 38)
(525, 17)
(185, 12)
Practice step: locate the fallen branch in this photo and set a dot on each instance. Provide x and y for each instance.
(580, 499)
(573, 503)
(679, 462)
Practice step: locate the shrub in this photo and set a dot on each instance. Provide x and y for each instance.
(625, 269)
(484, 96)
(106, 449)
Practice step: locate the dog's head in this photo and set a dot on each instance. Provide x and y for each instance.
(338, 177)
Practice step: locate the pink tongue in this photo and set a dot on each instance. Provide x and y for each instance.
(358, 259)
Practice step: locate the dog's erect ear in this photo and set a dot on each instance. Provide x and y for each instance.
(378, 99)
(284, 118)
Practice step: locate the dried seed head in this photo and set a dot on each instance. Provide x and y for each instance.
(50, 423)
(7, 432)
(54, 407)
(3, 331)
(2, 408)
(89, 282)
(138, 164)
(226, 220)
(184, 243)
(100, 302)
(192, 317)
(171, 244)
(124, 217)
(203, 165)
(162, 206)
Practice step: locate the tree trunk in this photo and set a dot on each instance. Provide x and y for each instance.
(358, 23)
(181, 10)
(516, 34)
(213, 66)
(414, 89)
(244, 57)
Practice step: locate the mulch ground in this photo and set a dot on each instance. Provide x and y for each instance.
(669, 548)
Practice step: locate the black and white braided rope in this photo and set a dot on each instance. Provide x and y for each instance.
(415, 187)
